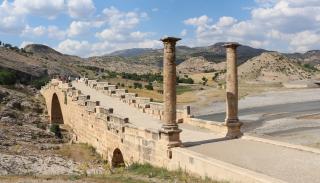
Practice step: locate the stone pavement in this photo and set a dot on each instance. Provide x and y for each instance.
(287, 164)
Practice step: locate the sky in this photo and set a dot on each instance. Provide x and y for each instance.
(97, 27)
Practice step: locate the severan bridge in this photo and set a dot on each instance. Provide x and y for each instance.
(125, 128)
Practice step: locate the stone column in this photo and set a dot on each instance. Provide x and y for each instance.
(170, 128)
(232, 120)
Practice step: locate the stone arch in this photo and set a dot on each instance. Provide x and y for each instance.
(117, 158)
(56, 112)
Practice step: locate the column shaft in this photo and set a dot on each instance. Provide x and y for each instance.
(232, 86)
(169, 83)
(232, 120)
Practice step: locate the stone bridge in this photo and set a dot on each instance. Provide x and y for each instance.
(125, 128)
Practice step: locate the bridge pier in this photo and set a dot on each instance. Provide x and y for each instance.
(232, 120)
(170, 129)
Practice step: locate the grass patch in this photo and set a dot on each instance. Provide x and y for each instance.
(79, 152)
(165, 175)
(136, 173)
(183, 89)
(38, 83)
(147, 93)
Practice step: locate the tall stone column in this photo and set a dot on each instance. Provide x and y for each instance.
(232, 120)
(170, 128)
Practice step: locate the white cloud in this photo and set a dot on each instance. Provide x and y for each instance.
(10, 21)
(55, 33)
(13, 14)
(74, 47)
(25, 43)
(183, 33)
(110, 35)
(119, 32)
(33, 32)
(226, 21)
(121, 25)
(122, 20)
(198, 21)
(284, 25)
(78, 28)
(47, 8)
(81, 8)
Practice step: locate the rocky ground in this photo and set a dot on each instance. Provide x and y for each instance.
(26, 146)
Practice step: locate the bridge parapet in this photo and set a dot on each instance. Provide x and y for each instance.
(101, 85)
(129, 98)
(120, 93)
(91, 83)
(91, 105)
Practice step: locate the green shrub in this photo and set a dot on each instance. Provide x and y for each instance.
(55, 128)
(186, 80)
(137, 85)
(7, 77)
(149, 86)
(38, 83)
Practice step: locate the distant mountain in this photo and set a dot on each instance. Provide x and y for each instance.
(131, 52)
(311, 57)
(150, 60)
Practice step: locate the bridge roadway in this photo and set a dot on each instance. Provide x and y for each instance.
(283, 163)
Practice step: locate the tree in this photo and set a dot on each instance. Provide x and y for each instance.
(204, 80)
(8, 45)
(149, 86)
(137, 85)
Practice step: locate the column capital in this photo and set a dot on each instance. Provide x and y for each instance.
(170, 39)
(231, 45)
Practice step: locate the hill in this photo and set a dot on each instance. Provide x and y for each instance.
(273, 66)
(199, 65)
(36, 62)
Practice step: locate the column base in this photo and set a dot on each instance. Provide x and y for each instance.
(234, 128)
(171, 134)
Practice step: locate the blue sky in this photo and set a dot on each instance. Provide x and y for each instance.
(97, 27)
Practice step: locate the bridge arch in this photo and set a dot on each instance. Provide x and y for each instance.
(117, 158)
(56, 112)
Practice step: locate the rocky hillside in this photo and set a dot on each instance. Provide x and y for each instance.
(36, 63)
(199, 65)
(273, 66)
